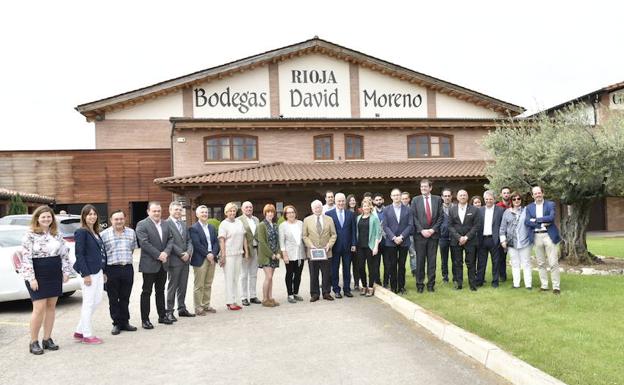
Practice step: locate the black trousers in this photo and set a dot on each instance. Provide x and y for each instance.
(396, 256)
(365, 257)
(459, 253)
(426, 254)
(377, 265)
(119, 280)
(386, 265)
(487, 247)
(325, 268)
(445, 246)
(157, 281)
(502, 263)
(355, 261)
(293, 276)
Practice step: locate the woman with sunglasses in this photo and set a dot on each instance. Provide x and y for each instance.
(514, 237)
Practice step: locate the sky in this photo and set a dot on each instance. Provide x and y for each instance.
(56, 55)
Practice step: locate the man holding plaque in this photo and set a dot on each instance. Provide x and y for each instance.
(319, 235)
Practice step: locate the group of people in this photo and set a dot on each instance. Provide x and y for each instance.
(339, 234)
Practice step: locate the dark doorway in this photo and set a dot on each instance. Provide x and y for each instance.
(138, 212)
(597, 216)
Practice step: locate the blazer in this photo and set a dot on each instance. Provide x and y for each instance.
(90, 257)
(200, 243)
(181, 243)
(470, 227)
(265, 254)
(549, 217)
(249, 236)
(152, 245)
(420, 215)
(374, 230)
(496, 223)
(294, 247)
(392, 227)
(313, 239)
(345, 234)
(513, 230)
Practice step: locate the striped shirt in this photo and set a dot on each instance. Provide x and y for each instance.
(119, 247)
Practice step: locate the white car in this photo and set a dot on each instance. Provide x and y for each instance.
(12, 286)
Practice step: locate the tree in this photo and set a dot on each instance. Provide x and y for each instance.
(17, 206)
(573, 160)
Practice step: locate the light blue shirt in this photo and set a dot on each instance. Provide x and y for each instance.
(397, 211)
(205, 228)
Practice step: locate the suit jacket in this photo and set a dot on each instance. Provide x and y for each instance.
(470, 227)
(181, 243)
(249, 236)
(152, 245)
(496, 223)
(90, 258)
(313, 239)
(393, 226)
(345, 234)
(200, 243)
(420, 215)
(549, 217)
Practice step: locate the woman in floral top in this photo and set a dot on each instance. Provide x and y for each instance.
(268, 253)
(45, 266)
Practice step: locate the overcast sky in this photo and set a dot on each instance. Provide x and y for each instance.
(56, 55)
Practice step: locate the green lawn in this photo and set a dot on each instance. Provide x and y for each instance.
(577, 337)
(609, 247)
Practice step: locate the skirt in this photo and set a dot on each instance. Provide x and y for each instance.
(273, 263)
(49, 278)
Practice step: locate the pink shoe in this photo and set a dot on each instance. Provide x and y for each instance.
(92, 340)
(78, 336)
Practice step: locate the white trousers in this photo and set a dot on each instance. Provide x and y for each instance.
(545, 250)
(91, 297)
(231, 272)
(249, 275)
(521, 259)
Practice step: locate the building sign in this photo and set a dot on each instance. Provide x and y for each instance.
(616, 100)
(386, 97)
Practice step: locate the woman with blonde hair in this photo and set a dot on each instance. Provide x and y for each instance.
(368, 237)
(268, 253)
(45, 266)
(232, 249)
(293, 251)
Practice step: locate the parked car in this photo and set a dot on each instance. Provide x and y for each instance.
(12, 285)
(67, 223)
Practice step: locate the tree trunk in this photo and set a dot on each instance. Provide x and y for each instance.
(573, 234)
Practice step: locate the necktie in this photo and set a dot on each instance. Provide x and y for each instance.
(428, 210)
(341, 218)
(319, 228)
(179, 224)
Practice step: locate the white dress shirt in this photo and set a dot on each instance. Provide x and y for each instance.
(488, 221)
(158, 227)
(461, 211)
(539, 213)
(207, 233)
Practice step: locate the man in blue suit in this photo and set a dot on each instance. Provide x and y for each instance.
(345, 244)
(205, 250)
(540, 218)
(398, 226)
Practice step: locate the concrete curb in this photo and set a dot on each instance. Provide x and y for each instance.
(491, 356)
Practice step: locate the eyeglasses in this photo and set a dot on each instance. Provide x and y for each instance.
(516, 199)
(289, 212)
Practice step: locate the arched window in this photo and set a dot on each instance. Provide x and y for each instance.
(222, 148)
(429, 146)
(354, 146)
(324, 147)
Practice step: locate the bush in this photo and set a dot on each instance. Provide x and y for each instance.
(17, 206)
(214, 222)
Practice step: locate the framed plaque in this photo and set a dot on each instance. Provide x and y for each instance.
(318, 254)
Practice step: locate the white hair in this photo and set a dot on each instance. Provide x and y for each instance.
(488, 192)
(337, 196)
(316, 202)
(200, 208)
(246, 203)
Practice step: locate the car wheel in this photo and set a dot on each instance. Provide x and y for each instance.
(68, 294)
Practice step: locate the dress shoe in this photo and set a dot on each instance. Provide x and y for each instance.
(420, 290)
(116, 330)
(314, 298)
(93, 340)
(35, 348)
(529, 288)
(431, 289)
(338, 295)
(556, 291)
(403, 291)
(209, 309)
(328, 297)
(274, 302)
(78, 336)
(473, 288)
(267, 303)
(200, 312)
(49, 344)
(348, 294)
(165, 320)
(171, 317)
(233, 307)
(298, 297)
(245, 302)
(128, 328)
(291, 299)
(185, 313)
(255, 300)
(495, 285)
(542, 289)
(356, 287)
(147, 325)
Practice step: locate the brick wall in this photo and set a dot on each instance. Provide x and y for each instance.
(124, 134)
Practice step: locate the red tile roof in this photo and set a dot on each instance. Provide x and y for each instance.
(26, 197)
(334, 171)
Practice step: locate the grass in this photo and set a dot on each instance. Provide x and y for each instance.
(605, 246)
(576, 337)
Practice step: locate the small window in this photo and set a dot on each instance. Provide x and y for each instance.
(354, 147)
(429, 146)
(324, 147)
(231, 147)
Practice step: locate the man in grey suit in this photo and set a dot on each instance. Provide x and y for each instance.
(156, 243)
(178, 264)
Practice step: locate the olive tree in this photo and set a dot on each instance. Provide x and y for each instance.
(574, 161)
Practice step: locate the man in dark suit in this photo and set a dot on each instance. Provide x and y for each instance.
(397, 226)
(178, 264)
(205, 249)
(344, 220)
(490, 217)
(156, 243)
(464, 226)
(428, 217)
(445, 241)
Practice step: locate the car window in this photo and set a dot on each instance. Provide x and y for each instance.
(69, 225)
(12, 238)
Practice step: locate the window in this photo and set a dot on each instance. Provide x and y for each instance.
(323, 147)
(354, 147)
(429, 146)
(231, 148)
